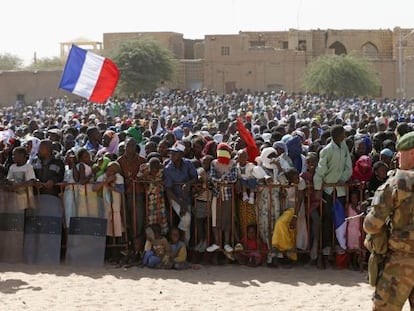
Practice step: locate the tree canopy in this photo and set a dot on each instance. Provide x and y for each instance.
(10, 62)
(47, 63)
(341, 75)
(143, 64)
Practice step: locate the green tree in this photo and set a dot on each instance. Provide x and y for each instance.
(47, 63)
(341, 75)
(10, 62)
(143, 64)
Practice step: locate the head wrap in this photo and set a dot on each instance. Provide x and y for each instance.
(363, 169)
(294, 146)
(178, 133)
(35, 146)
(264, 159)
(102, 167)
(223, 153)
(113, 144)
(387, 152)
(210, 148)
(135, 133)
(282, 145)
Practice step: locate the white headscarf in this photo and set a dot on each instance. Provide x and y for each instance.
(35, 147)
(264, 159)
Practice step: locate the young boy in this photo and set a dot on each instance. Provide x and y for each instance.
(245, 175)
(21, 175)
(156, 248)
(202, 198)
(178, 251)
(379, 177)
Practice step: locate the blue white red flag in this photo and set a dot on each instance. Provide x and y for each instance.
(89, 75)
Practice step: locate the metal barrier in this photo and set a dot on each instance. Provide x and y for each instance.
(269, 190)
(87, 203)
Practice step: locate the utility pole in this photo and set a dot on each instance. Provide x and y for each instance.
(401, 63)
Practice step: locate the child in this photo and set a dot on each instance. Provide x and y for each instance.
(353, 229)
(245, 175)
(153, 173)
(379, 177)
(312, 162)
(84, 175)
(284, 235)
(178, 252)
(156, 248)
(112, 186)
(202, 198)
(247, 212)
(22, 176)
(250, 251)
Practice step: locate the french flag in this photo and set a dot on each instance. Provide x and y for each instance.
(89, 75)
(339, 223)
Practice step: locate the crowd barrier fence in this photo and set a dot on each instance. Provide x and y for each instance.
(6, 197)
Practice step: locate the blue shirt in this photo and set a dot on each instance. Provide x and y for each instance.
(90, 147)
(174, 177)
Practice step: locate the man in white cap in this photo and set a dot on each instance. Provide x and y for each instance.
(179, 175)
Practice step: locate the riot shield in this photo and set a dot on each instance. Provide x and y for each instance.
(11, 226)
(86, 241)
(43, 231)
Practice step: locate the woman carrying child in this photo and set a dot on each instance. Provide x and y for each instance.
(112, 186)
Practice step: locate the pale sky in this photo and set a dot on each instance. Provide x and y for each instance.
(28, 26)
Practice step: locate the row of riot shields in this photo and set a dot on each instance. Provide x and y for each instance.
(32, 226)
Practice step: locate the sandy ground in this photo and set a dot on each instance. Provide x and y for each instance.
(230, 287)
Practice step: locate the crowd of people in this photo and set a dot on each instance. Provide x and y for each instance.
(248, 174)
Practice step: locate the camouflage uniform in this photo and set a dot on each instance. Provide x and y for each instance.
(394, 202)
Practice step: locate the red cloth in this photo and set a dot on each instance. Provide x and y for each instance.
(252, 245)
(252, 150)
(363, 169)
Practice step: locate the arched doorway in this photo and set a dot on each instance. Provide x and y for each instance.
(338, 47)
(369, 50)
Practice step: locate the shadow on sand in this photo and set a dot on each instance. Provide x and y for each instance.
(232, 274)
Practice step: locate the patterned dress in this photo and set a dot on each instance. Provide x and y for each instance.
(247, 216)
(268, 209)
(154, 194)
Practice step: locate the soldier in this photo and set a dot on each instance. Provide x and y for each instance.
(393, 213)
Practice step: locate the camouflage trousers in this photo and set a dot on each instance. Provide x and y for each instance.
(396, 284)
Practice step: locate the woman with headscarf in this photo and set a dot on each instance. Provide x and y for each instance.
(294, 147)
(267, 172)
(210, 149)
(32, 147)
(282, 153)
(363, 169)
(110, 142)
(156, 127)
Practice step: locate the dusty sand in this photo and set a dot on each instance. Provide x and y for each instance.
(230, 287)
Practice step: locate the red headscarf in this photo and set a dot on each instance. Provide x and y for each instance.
(363, 169)
(210, 148)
